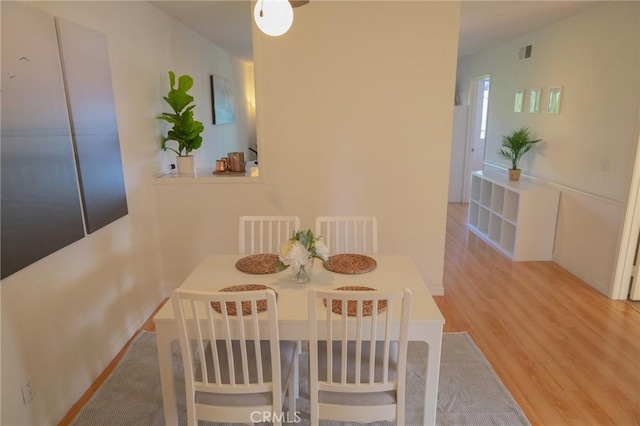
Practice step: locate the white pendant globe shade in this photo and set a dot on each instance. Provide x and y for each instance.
(277, 16)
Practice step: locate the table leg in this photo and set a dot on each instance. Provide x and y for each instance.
(166, 377)
(432, 376)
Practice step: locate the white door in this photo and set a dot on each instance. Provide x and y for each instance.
(458, 148)
(480, 124)
(634, 291)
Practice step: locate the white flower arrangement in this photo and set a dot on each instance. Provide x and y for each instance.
(299, 249)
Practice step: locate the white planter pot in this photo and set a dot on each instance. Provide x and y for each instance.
(186, 165)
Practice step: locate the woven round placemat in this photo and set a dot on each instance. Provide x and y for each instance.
(261, 305)
(350, 263)
(352, 305)
(259, 264)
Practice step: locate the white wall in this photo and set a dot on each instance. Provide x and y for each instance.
(65, 317)
(588, 149)
(351, 122)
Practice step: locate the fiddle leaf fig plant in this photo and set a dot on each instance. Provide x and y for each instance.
(515, 145)
(185, 131)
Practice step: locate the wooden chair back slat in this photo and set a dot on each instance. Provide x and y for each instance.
(349, 234)
(264, 234)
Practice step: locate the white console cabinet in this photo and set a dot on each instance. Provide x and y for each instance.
(517, 218)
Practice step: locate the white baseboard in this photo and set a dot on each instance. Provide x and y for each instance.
(436, 291)
(118, 344)
(591, 281)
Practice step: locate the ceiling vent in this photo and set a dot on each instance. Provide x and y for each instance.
(525, 52)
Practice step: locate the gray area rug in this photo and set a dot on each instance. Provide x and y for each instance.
(470, 392)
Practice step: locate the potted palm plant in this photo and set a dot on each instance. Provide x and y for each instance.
(514, 146)
(186, 130)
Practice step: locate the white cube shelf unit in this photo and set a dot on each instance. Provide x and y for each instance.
(517, 218)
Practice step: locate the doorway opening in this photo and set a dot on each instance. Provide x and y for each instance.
(626, 282)
(477, 129)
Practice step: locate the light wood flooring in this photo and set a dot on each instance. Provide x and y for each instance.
(567, 354)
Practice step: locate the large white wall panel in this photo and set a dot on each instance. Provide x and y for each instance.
(589, 255)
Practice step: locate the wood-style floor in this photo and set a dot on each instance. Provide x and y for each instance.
(567, 354)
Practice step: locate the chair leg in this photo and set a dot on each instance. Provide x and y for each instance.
(296, 385)
(191, 416)
(191, 410)
(400, 407)
(313, 409)
(293, 381)
(400, 416)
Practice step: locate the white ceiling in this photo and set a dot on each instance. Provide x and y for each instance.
(225, 23)
(482, 23)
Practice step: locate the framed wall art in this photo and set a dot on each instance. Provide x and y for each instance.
(555, 94)
(534, 100)
(519, 101)
(222, 100)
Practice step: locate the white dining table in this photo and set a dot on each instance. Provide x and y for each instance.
(391, 273)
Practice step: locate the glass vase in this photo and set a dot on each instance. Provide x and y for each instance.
(302, 273)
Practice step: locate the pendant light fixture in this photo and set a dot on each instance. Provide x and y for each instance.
(273, 17)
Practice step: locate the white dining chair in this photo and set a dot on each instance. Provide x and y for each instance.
(247, 369)
(265, 234)
(349, 234)
(357, 364)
